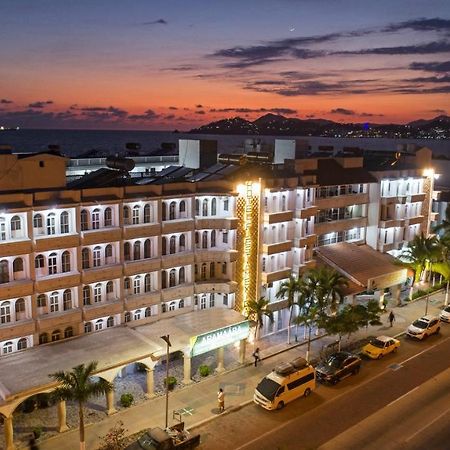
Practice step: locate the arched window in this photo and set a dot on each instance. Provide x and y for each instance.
(197, 239)
(203, 274)
(107, 217)
(51, 227)
(54, 302)
(22, 344)
(172, 245)
(43, 338)
(56, 335)
(127, 251)
(172, 306)
(7, 348)
(68, 332)
(127, 317)
(213, 207)
(110, 322)
(148, 312)
(226, 204)
(37, 221)
(213, 238)
(52, 264)
(163, 279)
(147, 283)
(205, 207)
(212, 270)
(16, 224)
(147, 213)
(85, 258)
(182, 242)
(18, 265)
(96, 219)
(84, 220)
(5, 312)
(65, 261)
(164, 245)
(20, 305)
(86, 295)
(163, 308)
(99, 324)
(164, 210)
(126, 215)
(224, 268)
(172, 208)
(137, 285)
(108, 253)
(137, 250)
(283, 203)
(39, 262)
(4, 271)
(98, 293)
(126, 283)
(88, 327)
(172, 278)
(137, 314)
(197, 207)
(182, 208)
(41, 301)
(181, 303)
(110, 288)
(181, 275)
(147, 249)
(67, 300)
(205, 239)
(136, 210)
(64, 222)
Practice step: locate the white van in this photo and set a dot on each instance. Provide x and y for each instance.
(285, 383)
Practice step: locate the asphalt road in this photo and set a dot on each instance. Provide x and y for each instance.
(399, 402)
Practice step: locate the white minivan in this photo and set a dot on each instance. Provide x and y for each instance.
(287, 382)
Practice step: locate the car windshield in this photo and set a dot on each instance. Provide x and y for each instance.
(377, 343)
(335, 361)
(447, 309)
(420, 324)
(268, 388)
(147, 443)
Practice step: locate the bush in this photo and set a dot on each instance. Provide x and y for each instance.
(126, 400)
(115, 438)
(140, 367)
(204, 370)
(170, 382)
(37, 431)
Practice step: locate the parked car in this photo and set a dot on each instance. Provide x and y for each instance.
(380, 346)
(445, 314)
(338, 366)
(423, 327)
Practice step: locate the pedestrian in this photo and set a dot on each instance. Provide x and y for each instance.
(221, 400)
(391, 318)
(256, 356)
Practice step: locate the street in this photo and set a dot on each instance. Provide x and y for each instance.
(399, 402)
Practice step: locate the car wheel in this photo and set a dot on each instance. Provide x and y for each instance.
(280, 405)
(395, 350)
(334, 380)
(307, 392)
(355, 370)
(425, 336)
(380, 356)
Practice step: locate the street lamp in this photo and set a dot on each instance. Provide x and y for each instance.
(166, 339)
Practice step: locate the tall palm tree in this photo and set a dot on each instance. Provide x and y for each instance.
(78, 385)
(444, 227)
(415, 255)
(256, 311)
(289, 290)
(308, 317)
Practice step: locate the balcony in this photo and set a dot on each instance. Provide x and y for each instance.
(279, 247)
(305, 241)
(212, 255)
(212, 223)
(14, 248)
(307, 212)
(340, 201)
(101, 273)
(383, 248)
(388, 223)
(415, 220)
(415, 198)
(141, 231)
(177, 260)
(57, 281)
(278, 217)
(177, 226)
(59, 320)
(103, 309)
(62, 241)
(139, 301)
(340, 225)
(215, 286)
(17, 329)
(14, 289)
(142, 266)
(280, 274)
(177, 292)
(102, 235)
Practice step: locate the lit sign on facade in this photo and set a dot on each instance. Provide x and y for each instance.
(218, 338)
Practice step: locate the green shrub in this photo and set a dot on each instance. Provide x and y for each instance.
(37, 431)
(170, 382)
(126, 400)
(204, 370)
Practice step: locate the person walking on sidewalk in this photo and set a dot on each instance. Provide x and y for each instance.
(391, 318)
(221, 400)
(256, 356)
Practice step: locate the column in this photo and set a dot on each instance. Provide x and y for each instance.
(110, 409)
(187, 368)
(9, 433)
(242, 346)
(62, 422)
(220, 357)
(396, 294)
(150, 393)
(381, 300)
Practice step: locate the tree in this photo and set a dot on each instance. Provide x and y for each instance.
(78, 385)
(308, 317)
(444, 227)
(289, 290)
(256, 310)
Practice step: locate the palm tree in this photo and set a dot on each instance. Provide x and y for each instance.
(444, 226)
(256, 310)
(289, 290)
(78, 385)
(308, 317)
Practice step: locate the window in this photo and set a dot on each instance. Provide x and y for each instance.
(137, 315)
(225, 300)
(182, 207)
(22, 344)
(197, 207)
(137, 285)
(7, 347)
(107, 217)
(16, 223)
(127, 317)
(283, 203)
(172, 207)
(51, 228)
(86, 295)
(85, 258)
(136, 215)
(127, 251)
(147, 249)
(109, 287)
(96, 219)
(126, 215)
(213, 238)
(2, 230)
(88, 327)
(67, 300)
(110, 322)
(147, 283)
(172, 306)
(172, 278)
(163, 308)
(68, 332)
(213, 207)
(164, 210)
(5, 312)
(148, 312)
(64, 222)
(41, 301)
(147, 214)
(182, 242)
(226, 204)
(203, 302)
(225, 237)
(224, 268)
(137, 250)
(126, 283)
(205, 207)
(181, 275)
(20, 305)
(300, 381)
(164, 245)
(43, 338)
(163, 279)
(98, 293)
(54, 302)
(18, 265)
(99, 325)
(205, 239)
(203, 274)
(97, 257)
(172, 245)
(212, 300)
(4, 271)
(84, 222)
(212, 270)
(108, 252)
(181, 304)
(52, 264)
(65, 262)
(37, 221)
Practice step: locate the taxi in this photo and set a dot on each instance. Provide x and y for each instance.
(380, 346)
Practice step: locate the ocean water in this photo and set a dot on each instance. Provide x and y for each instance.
(74, 142)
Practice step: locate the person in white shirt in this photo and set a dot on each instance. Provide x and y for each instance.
(221, 400)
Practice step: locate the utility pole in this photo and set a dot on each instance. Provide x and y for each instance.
(166, 339)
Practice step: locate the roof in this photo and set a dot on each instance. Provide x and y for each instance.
(331, 173)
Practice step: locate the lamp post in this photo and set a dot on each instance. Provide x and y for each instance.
(166, 339)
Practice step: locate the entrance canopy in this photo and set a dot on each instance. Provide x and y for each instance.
(364, 266)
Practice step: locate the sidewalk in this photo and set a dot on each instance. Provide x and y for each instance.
(200, 399)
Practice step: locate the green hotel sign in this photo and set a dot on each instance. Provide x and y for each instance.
(218, 338)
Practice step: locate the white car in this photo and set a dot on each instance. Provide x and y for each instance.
(445, 314)
(423, 327)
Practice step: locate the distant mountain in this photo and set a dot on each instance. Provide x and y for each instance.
(273, 124)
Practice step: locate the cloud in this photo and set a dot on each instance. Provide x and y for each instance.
(169, 117)
(101, 112)
(443, 79)
(5, 101)
(173, 108)
(200, 112)
(199, 106)
(437, 66)
(343, 111)
(255, 110)
(421, 49)
(184, 68)
(41, 104)
(148, 115)
(156, 22)
(421, 24)
(438, 111)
